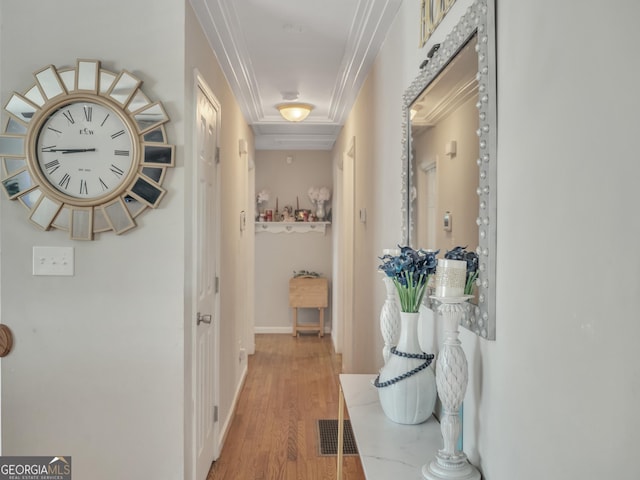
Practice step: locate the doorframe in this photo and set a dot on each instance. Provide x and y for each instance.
(346, 255)
(201, 84)
(430, 171)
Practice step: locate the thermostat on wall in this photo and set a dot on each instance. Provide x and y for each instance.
(447, 220)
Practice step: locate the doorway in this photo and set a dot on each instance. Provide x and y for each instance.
(345, 256)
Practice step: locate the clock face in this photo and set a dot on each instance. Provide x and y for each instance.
(85, 150)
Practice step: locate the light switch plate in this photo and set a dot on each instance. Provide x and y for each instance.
(53, 261)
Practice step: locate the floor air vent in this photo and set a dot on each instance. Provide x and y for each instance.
(328, 438)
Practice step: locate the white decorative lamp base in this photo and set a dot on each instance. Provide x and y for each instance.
(451, 380)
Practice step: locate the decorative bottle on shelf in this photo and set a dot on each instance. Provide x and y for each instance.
(320, 213)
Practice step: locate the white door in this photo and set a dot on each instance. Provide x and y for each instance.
(205, 348)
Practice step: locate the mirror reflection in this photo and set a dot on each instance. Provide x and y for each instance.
(87, 75)
(134, 207)
(31, 198)
(49, 82)
(68, 77)
(20, 108)
(45, 212)
(18, 183)
(81, 223)
(124, 88)
(444, 143)
(154, 173)
(12, 165)
(158, 155)
(118, 217)
(34, 95)
(106, 80)
(156, 135)
(150, 117)
(12, 146)
(15, 127)
(139, 101)
(63, 219)
(100, 223)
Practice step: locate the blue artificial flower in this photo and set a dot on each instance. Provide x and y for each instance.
(410, 272)
(460, 253)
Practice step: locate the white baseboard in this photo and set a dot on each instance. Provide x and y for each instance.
(224, 429)
(283, 330)
(259, 330)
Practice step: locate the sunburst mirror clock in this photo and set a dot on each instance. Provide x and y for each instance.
(85, 150)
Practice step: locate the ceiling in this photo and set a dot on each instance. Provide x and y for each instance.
(311, 51)
(453, 86)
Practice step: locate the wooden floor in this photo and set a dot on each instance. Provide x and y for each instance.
(292, 383)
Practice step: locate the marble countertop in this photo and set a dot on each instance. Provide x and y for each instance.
(387, 450)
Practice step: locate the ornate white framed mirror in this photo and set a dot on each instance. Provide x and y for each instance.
(449, 166)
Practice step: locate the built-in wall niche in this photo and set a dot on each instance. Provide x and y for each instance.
(292, 227)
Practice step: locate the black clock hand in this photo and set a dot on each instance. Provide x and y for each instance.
(70, 150)
(75, 150)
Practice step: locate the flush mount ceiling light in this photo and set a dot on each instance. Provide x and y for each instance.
(294, 112)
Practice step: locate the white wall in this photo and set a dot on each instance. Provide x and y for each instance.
(361, 348)
(567, 198)
(277, 256)
(97, 367)
(100, 368)
(554, 396)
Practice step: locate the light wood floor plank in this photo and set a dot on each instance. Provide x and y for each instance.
(292, 382)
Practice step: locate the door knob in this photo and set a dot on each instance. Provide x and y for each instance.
(6, 340)
(203, 318)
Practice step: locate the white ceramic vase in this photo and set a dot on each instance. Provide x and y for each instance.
(389, 318)
(407, 383)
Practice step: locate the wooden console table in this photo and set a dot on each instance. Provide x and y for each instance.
(387, 450)
(305, 292)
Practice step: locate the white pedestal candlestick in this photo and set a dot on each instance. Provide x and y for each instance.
(451, 380)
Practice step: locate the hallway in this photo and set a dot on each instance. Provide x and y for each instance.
(291, 383)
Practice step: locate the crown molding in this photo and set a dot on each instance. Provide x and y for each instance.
(370, 27)
(368, 30)
(221, 17)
